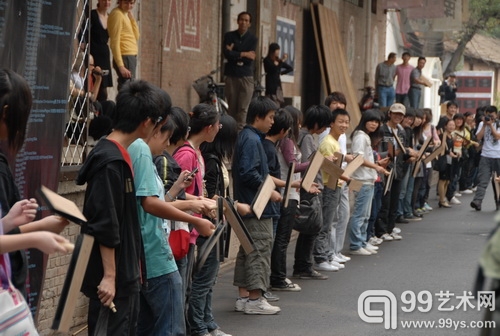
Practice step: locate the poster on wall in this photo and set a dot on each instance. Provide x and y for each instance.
(35, 42)
(285, 37)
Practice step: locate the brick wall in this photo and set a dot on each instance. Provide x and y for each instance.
(55, 274)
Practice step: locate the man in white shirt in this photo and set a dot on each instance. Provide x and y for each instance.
(488, 131)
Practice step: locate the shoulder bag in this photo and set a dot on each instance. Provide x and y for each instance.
(308, 217)
(15, 315)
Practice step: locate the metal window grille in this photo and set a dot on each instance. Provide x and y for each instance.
(79, 115)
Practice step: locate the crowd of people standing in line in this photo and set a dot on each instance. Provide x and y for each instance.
(160, 170)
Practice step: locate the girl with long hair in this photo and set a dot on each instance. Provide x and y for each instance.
(444, 164)
(366, 174)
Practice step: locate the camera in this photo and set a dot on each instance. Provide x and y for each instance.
(487, 118)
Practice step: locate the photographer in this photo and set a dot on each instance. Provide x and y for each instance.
(84, 88)
(488, 131)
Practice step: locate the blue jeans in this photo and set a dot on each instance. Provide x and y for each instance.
(360, 216)
(323, 248)
(414, 97)
(378, 192)
(402, 194)
(162, 306)
(386, 95)
(201, 319)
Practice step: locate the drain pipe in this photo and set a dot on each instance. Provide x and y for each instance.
(368, 43)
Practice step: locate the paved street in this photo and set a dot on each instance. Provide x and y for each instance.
(437, 254)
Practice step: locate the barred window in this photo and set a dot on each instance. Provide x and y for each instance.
(76, 140)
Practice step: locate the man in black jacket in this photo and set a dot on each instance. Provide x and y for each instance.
(239, 51)
(391, 147)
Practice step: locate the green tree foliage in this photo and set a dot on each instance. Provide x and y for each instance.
(484, 16)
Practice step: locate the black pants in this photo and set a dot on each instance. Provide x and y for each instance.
(281, 241)
(387, 215)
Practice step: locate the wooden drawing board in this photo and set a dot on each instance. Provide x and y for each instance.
(288, 186)
(400, 144)
(420, 154)
(70, 292)
(353, 165)
(334, 172)
(61, 206)
(355, 185)
(263, 196)
(312, 170)
(234, 219)
(388, 181)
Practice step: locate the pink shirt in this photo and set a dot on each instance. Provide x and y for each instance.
(403, 74)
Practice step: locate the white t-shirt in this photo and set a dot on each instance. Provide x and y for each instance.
(491, 146)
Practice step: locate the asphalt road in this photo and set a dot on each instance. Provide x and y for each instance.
(439, 253)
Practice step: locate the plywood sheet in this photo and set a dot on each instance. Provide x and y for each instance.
(333, 60)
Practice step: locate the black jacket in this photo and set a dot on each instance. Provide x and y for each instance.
(236, 65)
(111, 211)
(9, 194)
(397, 162)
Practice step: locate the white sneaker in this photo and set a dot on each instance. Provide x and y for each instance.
(387, 237)
(371, 247)
(336, 264)
(370, 250)
(338, 259)
(218, 332)
(240, 304)
(326, 267)
(457, 194)
(427, 207)
(361, 251)
(375, 241)
(455, 200)
(466, 192)
(474, 189)
(341, 256)
(260, 307)
(396, 236)
(396, 229)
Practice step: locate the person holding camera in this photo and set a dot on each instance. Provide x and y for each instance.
(488, 131)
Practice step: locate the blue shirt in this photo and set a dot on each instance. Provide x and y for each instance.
(159, 258)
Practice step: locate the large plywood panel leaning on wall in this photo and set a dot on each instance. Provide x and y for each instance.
(333, 60)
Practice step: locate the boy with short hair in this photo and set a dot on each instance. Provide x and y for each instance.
(324, 251)
(114, 272)
(250, 168)
(161, 299)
